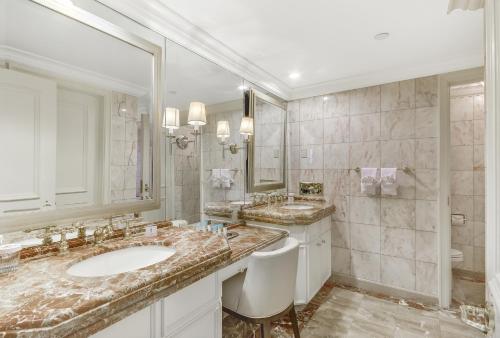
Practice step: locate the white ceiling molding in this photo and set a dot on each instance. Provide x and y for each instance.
(386, 76)
(60, 70)
(466, 5)
(163, 20)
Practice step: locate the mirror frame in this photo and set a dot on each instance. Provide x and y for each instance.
(65, 216)
(251, 97)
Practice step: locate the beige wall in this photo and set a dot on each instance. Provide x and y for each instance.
(467, 173)
(387, 240)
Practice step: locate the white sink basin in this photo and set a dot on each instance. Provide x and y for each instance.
(297, 207)
(240, 203)
(123, 260)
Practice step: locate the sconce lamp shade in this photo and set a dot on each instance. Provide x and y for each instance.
(197, 115)
(223, 131)
(171, 118)
(246, 127)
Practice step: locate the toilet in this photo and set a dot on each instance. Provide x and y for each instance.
(456, 256)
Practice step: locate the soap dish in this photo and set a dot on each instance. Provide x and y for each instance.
(9, 257)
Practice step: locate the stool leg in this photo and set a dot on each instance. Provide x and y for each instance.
(295, 324)
(266, 328)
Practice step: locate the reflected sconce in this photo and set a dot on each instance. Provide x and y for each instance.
(246, 128)
(171, 122)
(223, 133)
(197, 117)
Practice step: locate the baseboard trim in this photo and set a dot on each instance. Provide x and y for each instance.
(388, 291)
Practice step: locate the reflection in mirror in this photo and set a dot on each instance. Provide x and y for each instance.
(267, 149)
(75, 111)
(205, 172)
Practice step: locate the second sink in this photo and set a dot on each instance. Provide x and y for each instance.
(297, 207)
(119, 261)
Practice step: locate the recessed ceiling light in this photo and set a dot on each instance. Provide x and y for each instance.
(294, 75)
(242, 87)
(325, 98)
(381, 36)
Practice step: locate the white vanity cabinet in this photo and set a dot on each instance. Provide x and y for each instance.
(315, 255)
(192, 312)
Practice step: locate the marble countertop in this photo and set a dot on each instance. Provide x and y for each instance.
(40, 299)
(276, 214)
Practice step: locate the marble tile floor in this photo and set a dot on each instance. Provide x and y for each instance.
(344, 312)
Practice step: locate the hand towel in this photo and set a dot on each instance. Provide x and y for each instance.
(369, 181)
(215, 178)
(388, 181)
(226, 178)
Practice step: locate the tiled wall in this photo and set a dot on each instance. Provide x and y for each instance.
(387, 240)
(123, 167)
(467, 173)
(269, 134)
(212, 153)
(187, 179)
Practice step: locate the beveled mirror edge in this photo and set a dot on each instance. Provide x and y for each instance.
(29, 221)
(249, 182)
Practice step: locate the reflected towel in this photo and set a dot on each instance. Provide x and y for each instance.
(369, 181)
(226, 178)
(389, 181)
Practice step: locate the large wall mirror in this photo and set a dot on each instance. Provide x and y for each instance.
(79, 115)
(266, 151)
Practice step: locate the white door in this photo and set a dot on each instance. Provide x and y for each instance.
(28, 142)
(78, 148)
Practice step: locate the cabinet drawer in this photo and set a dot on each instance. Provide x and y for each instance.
(233, 269)
(184, 304)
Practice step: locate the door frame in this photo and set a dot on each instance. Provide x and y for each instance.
(444, 204)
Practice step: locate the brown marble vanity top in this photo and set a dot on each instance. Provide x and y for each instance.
(276, 214)
(40, 299)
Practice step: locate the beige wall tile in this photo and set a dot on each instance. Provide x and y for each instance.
(341, 235)
(336, 105)
(398, 272)
(426, 278)
(479, 107)
(311, 108)
(479, 183)
(462, 234)
(365, 100)
(478, 131)
(426, 184)
(398, 242)
(462, 133)
(426, 215)
(365, 265)
(293, 111)
(426, 122)
(336, 156)
(398, 213)
(365, 155)
(426, 246)
(398, 124)
(365, 237)
(426, 89)
(397, 153)
(365, 210)
(462, 108)
(364, 127)
(478, 156)
(426, 153)
(479, 240)
(336, 130)
(462, 182)
(313, 160)
(311, 132)
(462, 158)
(341, 260)
(398, 95)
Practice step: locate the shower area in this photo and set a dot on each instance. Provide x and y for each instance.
(467, 192)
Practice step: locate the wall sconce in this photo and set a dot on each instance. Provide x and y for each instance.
(197, 117)
(223, 133)
(246, 128)
(171, 122)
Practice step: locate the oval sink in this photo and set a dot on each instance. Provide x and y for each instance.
(119, 261)
(297, 207)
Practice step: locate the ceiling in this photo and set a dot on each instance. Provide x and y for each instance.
(331, 42)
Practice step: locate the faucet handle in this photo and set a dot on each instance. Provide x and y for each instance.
(47, 233)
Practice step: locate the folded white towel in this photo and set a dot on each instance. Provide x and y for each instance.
(369, 181)
(215, 178)
(388, 181)
(226, 178)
